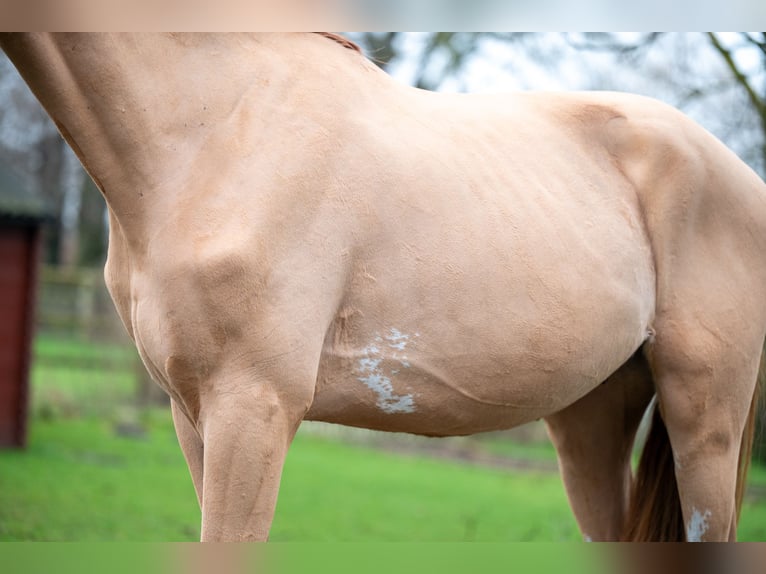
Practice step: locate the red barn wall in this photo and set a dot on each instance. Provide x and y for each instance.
(18, 249)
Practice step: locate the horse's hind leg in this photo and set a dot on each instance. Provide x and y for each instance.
(705, 380)
(594, 439)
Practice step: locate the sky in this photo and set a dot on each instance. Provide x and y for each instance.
(500, 67)
(489, 69)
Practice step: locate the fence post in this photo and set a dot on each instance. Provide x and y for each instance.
(86, 298)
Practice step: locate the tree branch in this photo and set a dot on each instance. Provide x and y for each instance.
(760, 44)
(605, 42)
(755, 99)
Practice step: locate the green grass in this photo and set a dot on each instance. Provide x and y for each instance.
(46, 346)
(93, 380)
(358, 494)
(79, 481)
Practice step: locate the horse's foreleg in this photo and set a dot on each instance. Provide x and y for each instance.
(246, 432)
(191, 445)
(594, 439)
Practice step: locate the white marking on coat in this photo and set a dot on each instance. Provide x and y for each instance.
(397, 340)
(373, 377)
(698, 525)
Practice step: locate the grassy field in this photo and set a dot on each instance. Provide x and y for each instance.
(80, 481)
(71, 377)
(89, 476)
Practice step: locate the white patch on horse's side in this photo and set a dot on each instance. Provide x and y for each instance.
(698, 525)
(397, 340)
(374, 378)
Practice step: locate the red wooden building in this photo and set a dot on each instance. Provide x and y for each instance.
(21, 216)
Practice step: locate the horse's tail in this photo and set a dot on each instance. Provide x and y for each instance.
(654, 512)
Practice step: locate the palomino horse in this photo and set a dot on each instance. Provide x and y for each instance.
(296, 236)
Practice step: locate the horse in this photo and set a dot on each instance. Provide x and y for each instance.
(296, 236)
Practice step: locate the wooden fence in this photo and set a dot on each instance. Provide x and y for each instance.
(75, 302)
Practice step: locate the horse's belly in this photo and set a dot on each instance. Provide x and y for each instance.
(407, 381)
(407, 354)
(393, 395)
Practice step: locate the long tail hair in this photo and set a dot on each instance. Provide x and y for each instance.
(654, 513)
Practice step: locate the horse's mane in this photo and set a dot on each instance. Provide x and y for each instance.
(345, 42)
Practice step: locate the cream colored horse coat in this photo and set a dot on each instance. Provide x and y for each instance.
(296, 236)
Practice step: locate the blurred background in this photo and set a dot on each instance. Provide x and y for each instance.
(87, 449)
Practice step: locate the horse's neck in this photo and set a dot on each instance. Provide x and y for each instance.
(138, 110)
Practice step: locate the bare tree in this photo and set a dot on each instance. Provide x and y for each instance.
(747, 80)
(438, 56)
